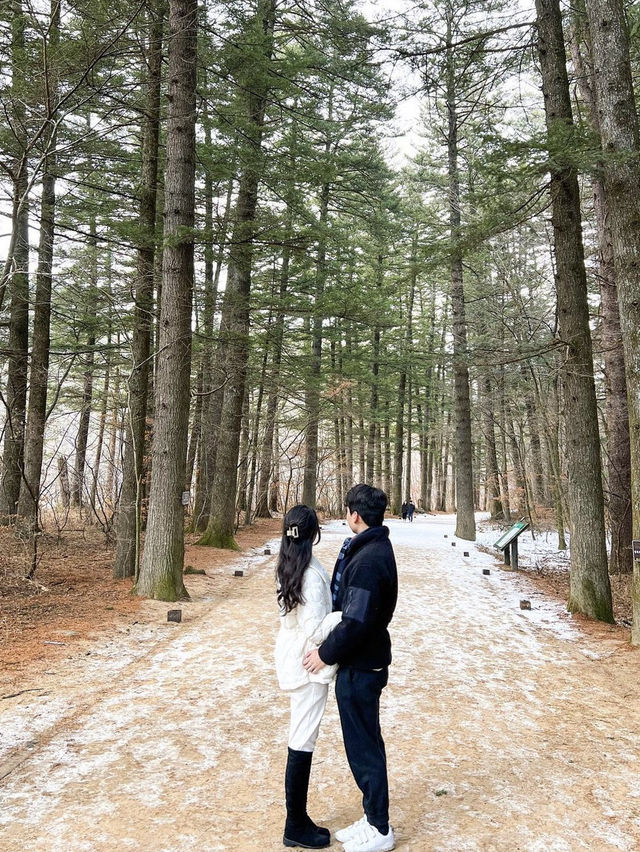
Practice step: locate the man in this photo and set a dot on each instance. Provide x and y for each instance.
(365, 587)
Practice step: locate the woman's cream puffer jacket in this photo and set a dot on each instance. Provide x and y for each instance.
(304, 628)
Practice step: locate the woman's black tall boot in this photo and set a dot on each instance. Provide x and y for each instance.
(299, 829)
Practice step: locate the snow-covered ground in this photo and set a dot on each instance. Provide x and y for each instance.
(506, 729)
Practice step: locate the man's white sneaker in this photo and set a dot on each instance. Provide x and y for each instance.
(368, 839)
(345, 834)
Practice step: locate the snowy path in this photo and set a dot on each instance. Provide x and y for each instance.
(506, 730)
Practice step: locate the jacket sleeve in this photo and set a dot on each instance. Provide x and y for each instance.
(326, 626)
(360, 605)
(312, 612)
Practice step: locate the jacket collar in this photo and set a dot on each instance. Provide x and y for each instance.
(369, 535)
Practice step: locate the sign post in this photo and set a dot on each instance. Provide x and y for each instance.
(508, 543)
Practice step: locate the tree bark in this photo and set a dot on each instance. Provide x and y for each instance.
(465, 518)
(234, 325)
(163, 558)
(375, 370)
(266, 454)
(492, 477)
(82, 437)
(28, 503)
(616, 412)
(213, 381)
(590, 591)
(18, 342)
(128, 520)
(618, 122)
(312, 391)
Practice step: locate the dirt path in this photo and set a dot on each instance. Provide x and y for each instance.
(506, 730)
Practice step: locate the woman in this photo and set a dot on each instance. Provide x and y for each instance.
(304, 597)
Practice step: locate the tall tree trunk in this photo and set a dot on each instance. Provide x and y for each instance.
(104, 518)
(398, 445)
(375, 370)
(616, 412)
(128, 520)
(618, 122)
(18, 342)
(266, 454)
(429, 396)
(274, 488)
(408, 465)
(253, 444)
(82, 437)
(39, 368)
(348, 426)
(505, 498)
(590, 591)
(337, 436)
(398, 448)
(196, 434)
(213, 380)
(95, 473)
(554, 455)
(535, 447)
(163, 558)
(362, 451)
(492, 478)
(63, 476)
(465, 518)
(521, 503)
(386, 452)
(312, 390)
(243, 460)
(234, 325)
(110, 486)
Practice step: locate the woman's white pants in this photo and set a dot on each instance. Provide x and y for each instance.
(307, 707)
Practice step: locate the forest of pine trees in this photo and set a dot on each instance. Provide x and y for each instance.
(254, 251)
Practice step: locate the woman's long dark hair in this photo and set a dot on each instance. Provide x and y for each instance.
(300, 531)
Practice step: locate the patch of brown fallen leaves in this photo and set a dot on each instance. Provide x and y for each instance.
(73, 594)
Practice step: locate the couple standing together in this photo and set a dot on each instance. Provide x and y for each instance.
(337, 630)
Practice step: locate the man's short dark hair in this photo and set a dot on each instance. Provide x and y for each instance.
(368, 502)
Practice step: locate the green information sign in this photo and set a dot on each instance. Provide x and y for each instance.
(506, 538)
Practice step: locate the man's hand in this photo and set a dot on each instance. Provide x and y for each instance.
(312, 662)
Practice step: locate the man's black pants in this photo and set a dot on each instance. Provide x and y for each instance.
(358, 696)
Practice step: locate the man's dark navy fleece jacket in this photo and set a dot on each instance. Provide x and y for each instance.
(367, 593)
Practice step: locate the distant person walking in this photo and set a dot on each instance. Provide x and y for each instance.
(403, 511)
(410, 510)
(306, 618)
(365, 587)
